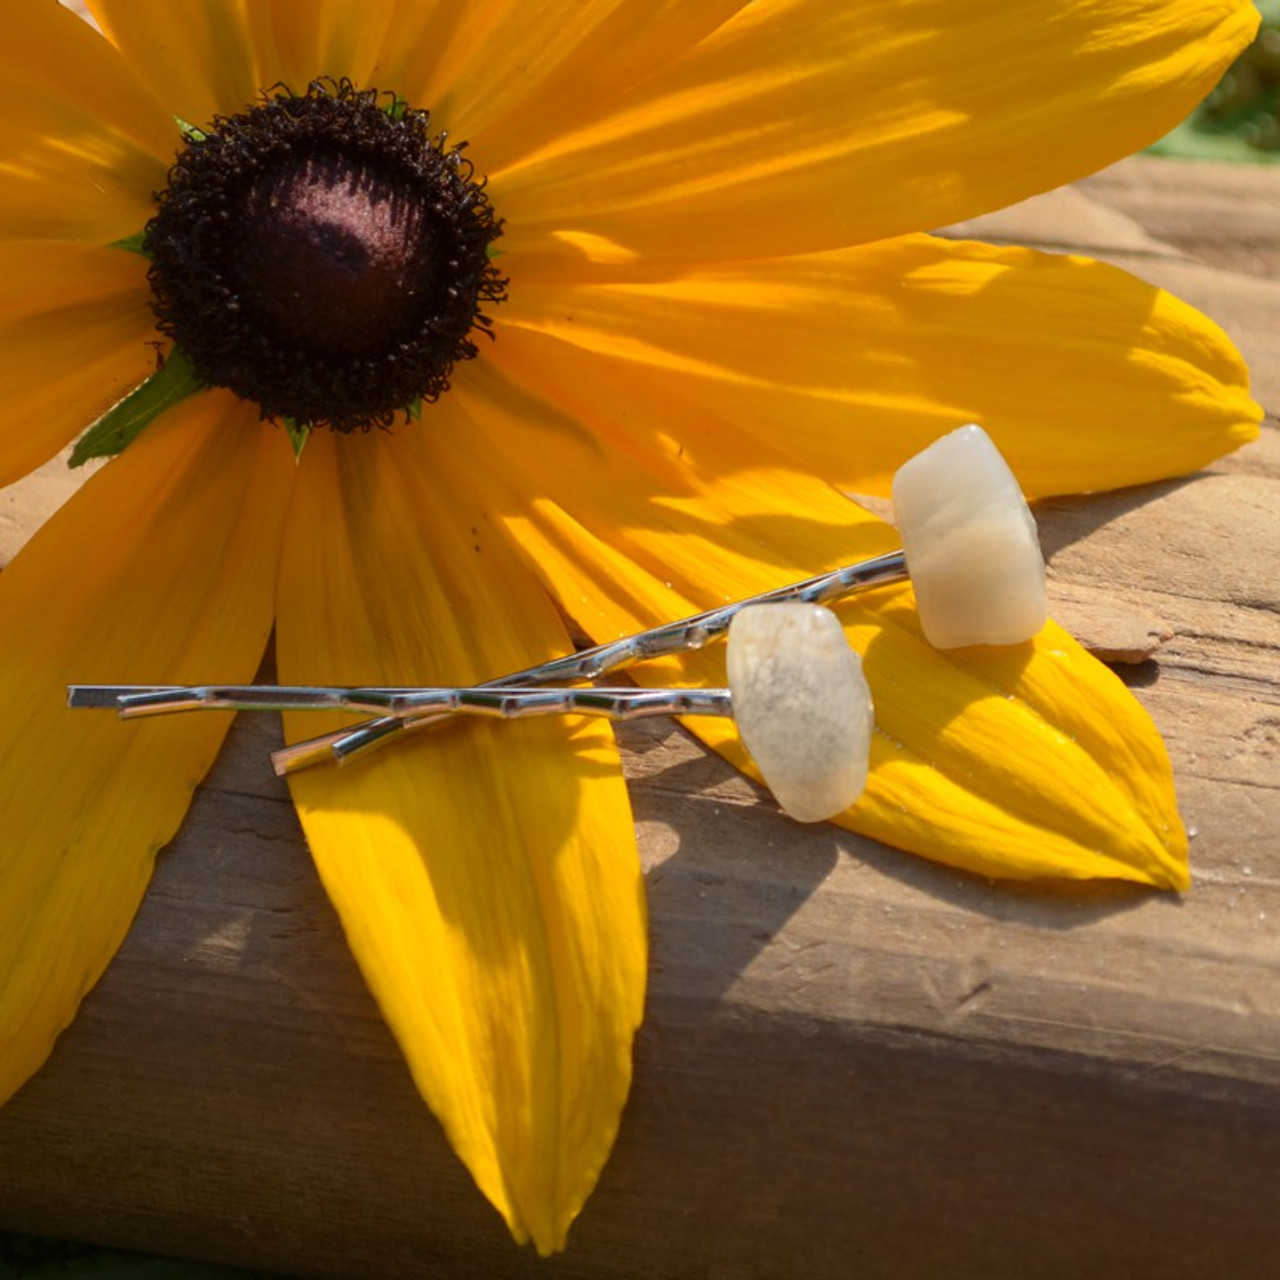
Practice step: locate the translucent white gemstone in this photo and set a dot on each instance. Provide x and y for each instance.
(802, 706)
(971, 544)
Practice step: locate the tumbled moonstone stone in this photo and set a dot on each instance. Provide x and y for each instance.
(971, 544)
(802, 706)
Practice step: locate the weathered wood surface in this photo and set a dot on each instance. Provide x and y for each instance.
(855, 1062)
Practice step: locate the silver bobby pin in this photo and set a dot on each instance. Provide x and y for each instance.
(507, 702)
(683, 636)
(393, 711)
(796, 692)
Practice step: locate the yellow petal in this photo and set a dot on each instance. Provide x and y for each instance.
(855, 360)
(82, 144)
(194, 55)
(74, 328)
(160, 569)
(298, 41)
(486, 875)
(802, 125)
(1021, 762)
(508, 75)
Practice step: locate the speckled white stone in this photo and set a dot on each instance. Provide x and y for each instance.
(971, 544)
(802, 706)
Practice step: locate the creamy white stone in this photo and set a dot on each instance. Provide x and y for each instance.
(971, 544)
(802, 706)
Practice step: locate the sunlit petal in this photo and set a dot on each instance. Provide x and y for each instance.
(162, 567)
(195, 55)
(297, 41)
(486, 876)
(74, 328)
(82, 143)
(853, 361)
(510, 76)
(802, 125)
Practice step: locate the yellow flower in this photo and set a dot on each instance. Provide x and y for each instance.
(720, 311)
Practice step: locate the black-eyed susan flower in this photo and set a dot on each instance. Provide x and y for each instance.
(693, 233)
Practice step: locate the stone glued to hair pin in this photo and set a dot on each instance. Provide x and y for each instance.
(802, 706)
(971, 544)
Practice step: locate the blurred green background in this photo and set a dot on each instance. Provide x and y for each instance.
(1240, 119)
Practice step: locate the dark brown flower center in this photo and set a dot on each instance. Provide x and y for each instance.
(324, 256)
(335, 256)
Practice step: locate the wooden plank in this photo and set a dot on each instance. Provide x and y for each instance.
(854, 1061)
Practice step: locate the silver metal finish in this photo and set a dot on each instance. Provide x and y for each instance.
(136, 700)
(682, 636)
(505, 702)
(402, 710)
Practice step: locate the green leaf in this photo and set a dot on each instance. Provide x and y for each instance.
(171, 383)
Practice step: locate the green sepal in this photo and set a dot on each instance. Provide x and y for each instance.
(298, 433)
(189, 131)
(171, 383)
(132, 244)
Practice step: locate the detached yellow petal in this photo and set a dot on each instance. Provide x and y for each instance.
(83, 143)
(74, 328)
(486, 875)
(800, 125)
(160, 569)
(853, 361)
(1021, 762)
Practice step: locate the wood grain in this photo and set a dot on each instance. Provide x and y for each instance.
(854, 1062)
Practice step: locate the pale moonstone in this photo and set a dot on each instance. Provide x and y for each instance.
(971, 544)
(802, 706)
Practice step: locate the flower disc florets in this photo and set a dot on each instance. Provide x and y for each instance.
(324, 256)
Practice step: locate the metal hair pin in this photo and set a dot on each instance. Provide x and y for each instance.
(969, 542)
(796, 691)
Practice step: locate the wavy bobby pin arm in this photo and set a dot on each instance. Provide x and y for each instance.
(670, 638)
(796, 692)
